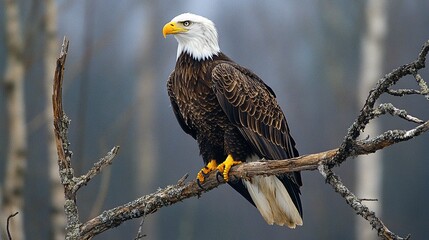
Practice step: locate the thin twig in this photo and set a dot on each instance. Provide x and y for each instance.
(9, 236)
(403, 92)
(96, 169)
(384, 108)
(423, 86)
(368, 199)
(139, 232)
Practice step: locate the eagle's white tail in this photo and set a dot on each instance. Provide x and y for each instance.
(273, 201)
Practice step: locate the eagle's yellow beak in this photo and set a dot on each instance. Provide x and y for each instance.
(172, 28)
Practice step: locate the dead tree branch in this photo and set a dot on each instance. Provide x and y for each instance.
(70, 183)
(368, 113)
(172, 194)
(383, 86)
(356, 203)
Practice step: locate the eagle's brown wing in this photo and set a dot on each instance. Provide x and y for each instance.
(176, 109)
(251, 105)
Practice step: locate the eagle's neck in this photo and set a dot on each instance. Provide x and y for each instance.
(186, 60)
(190, 71)
(199, 48)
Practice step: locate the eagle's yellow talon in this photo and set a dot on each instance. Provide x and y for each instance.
(212, 165)
(226, 166)
(200, 177)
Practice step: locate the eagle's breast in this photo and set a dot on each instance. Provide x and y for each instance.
(194, 95)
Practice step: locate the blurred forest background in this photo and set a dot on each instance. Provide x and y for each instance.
(309, 52)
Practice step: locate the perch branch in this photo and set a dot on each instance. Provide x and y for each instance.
(323, 161)
(175, 193)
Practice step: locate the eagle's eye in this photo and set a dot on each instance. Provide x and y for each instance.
(186, 23)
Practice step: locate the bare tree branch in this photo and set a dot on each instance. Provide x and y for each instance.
(70, 183)
(382, 86)
(357, 204)
(368, 113)
(172, 194)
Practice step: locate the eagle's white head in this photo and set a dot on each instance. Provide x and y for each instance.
(195, 34)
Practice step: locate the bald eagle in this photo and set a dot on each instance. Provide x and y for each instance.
(234, 117)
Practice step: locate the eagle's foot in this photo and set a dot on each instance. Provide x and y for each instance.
(226, 166)
(211, 166)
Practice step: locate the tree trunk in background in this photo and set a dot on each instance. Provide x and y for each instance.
(84, 83)
(13, 199)
(369, 168)
(58, 221)
(147, 166)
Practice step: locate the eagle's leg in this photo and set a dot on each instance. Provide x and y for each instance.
(226, 166)
(212, 165)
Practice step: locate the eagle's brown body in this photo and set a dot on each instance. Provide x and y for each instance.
(229, 110)
(198, 110)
